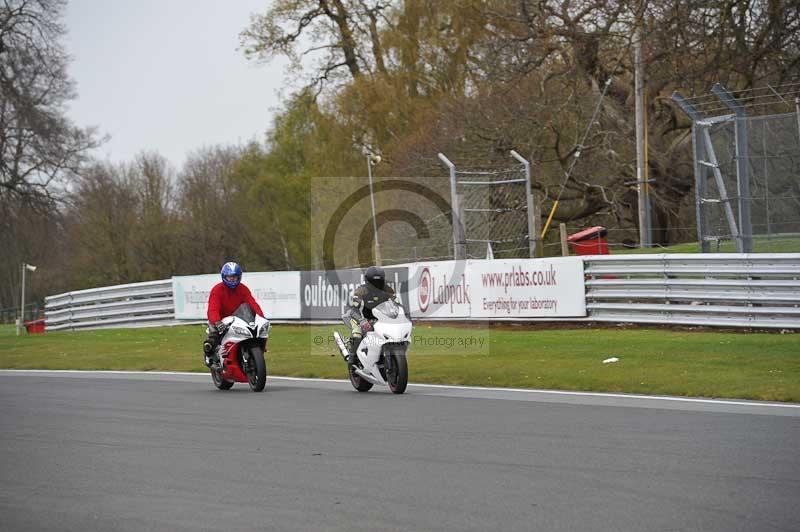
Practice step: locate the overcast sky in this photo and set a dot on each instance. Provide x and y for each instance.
(165, 75)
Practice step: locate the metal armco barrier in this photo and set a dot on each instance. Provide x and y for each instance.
(742, 290)
(146, 304)
(738, 290)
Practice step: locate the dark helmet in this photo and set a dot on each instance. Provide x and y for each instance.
(231, 274)
(375, 276)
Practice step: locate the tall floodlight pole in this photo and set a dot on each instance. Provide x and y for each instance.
(25, 267)
(641, 179)
(377, 159)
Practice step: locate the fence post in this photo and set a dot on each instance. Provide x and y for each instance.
(534, 239)
(745, 243)
(699, 179)
(459, 241)
(562, 229)
(797, 112)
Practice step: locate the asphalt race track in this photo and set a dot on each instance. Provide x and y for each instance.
(107, 452)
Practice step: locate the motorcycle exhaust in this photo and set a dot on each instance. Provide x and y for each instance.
(340, 344)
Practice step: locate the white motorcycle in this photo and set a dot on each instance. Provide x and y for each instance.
(382, 352)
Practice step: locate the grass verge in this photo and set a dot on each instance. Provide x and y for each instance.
(763, 366)
(779, 243)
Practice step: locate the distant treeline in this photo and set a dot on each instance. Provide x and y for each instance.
(470, 78)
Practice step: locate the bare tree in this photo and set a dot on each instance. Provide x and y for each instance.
(562, 52)
(102, 218)
(36, 238)
(343, 36)
(39, 144)
(206, 197)
(155, 239)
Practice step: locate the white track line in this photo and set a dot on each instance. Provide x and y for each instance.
(442, 386)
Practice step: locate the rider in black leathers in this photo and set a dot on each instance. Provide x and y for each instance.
(367, 296)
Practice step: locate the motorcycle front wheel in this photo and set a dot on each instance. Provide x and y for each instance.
(256, 369)
(397, 373)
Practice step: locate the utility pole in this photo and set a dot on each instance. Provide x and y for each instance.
(642, 186)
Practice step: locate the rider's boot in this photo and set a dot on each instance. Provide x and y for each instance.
(352, 347)
(209, 345)
(208, 353)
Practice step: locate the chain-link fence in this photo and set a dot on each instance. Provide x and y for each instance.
(747, 172)
(494, 212)
(747, 196)
(414, 219)
(772, 168)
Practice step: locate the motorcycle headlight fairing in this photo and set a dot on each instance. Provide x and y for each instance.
(241, 331)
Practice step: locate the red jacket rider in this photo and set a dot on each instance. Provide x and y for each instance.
(223, 301)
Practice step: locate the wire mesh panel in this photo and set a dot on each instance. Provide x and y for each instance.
(494, 211)
(774, 157)
(747, 167)
(430, 239)
(773, 173)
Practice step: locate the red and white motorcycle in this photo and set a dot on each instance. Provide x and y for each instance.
(239, 357)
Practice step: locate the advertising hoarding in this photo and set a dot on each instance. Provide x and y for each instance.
(439, 290)
(276, 292)
(525, 288)
(510, 288)
(326, 294)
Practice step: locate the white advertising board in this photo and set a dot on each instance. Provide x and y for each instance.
(278, 294)
(439, 290)
(526, 288)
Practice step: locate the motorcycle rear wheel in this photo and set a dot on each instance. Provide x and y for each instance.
(359, 383)
(256, 370)
(219, 382)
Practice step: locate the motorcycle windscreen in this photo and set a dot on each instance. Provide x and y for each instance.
(244, 312)
(387, 311)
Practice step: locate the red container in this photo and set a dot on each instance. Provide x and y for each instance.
(590, 241)
(34, 326)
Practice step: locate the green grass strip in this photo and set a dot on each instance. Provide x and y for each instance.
(778, 243)
(763, 366)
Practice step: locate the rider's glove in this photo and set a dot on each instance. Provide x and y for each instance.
(220, 327)
(366, 326)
